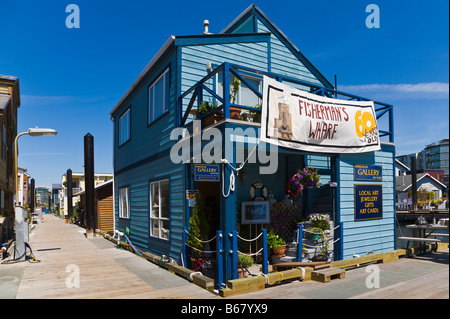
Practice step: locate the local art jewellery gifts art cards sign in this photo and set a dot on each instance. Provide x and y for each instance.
(300, 120)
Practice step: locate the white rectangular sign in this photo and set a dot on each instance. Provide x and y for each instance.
(300, 120)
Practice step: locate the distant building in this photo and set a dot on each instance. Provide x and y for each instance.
(436, 157)
(78, 183)
(42, 193)
(22, 187)
(433, 159)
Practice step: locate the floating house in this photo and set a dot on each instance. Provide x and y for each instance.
(233, 117)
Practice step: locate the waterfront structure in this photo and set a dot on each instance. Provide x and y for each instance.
(78, 185)
(425, 182)
(189, 75)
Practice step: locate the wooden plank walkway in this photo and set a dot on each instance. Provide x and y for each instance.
(108, 272)
(104, 270)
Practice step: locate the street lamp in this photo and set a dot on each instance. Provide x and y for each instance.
(21, 225)
(32, 132)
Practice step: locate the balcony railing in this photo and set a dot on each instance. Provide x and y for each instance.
(210, 97)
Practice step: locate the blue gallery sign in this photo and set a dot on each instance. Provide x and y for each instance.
(364, 172)
(368, 202)
(206, 173)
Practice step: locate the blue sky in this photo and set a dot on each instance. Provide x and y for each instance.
(71, 78)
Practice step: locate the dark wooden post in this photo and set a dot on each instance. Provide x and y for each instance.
(89, 183)
(32, 191)
(414, 182)
(69, 196)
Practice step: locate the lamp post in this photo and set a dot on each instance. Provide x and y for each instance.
(21, 225)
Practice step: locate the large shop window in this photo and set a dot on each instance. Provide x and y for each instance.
(160, 209)
(158, 97)
(124, 127)
(124, 202)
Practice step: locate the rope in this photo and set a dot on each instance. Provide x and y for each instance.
(202, 241)
(192, 274)
(202, 251)
(266, 278)
(250, 255)
(276, 272)
(303, 272)
(249, 240)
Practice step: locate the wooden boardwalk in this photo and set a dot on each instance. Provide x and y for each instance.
(104, 271)
(108, 272)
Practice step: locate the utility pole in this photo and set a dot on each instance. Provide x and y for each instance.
(69, 196)
(414, 182)
(89, 183)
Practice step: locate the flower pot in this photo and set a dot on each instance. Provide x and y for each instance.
(235, 113)
(242, 273)
(280, 251)
(211, 119)
(315, 236)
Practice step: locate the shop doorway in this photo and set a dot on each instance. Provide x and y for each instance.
(210, 196)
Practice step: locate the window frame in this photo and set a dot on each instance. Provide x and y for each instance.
(158, 218)
(128, 114)
(127, 193)
(151, 97)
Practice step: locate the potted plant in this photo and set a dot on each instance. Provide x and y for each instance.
(212, 118)
(321, 221)
(198, 228)
(303, 179)
(316, 233)
(244, 262)
(235, 85)
(276, 243)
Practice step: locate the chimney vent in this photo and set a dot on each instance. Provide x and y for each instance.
(206, 25)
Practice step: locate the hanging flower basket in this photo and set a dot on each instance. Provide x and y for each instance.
(303, 179)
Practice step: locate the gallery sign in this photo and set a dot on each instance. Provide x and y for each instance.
(300, 120)
(206, 173)
(364, 172)
(368, 202)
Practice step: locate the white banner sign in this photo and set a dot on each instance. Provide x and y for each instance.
(296, 119)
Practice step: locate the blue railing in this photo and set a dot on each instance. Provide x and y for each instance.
(206, 88)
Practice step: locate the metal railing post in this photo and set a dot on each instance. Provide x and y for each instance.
(234, 254)
(265, 255)
(219, 259)
(299, 242)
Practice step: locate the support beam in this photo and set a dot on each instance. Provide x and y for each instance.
(89, 184)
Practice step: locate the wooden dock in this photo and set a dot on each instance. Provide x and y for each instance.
(106, 272)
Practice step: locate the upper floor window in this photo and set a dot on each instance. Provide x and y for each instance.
(124, 127)
(158, 97)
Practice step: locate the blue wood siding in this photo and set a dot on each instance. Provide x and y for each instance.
(142, 141)
(138, 180)
(360, 237)
(283, 61)
(145, 158)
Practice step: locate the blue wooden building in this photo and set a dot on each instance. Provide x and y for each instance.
(188, 71)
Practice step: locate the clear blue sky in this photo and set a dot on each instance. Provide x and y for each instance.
(71, 78)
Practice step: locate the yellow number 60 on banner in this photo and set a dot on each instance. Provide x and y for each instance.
(364, 123)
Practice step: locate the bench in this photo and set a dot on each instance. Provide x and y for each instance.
(421, 240)
(437, 235)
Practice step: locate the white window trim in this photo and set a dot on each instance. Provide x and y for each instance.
(159, 218)
(127, 194)
(151, 110)
(121, 127)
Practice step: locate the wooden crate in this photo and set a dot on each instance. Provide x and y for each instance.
(327, 274)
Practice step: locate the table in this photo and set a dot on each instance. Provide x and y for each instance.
(422, 232)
